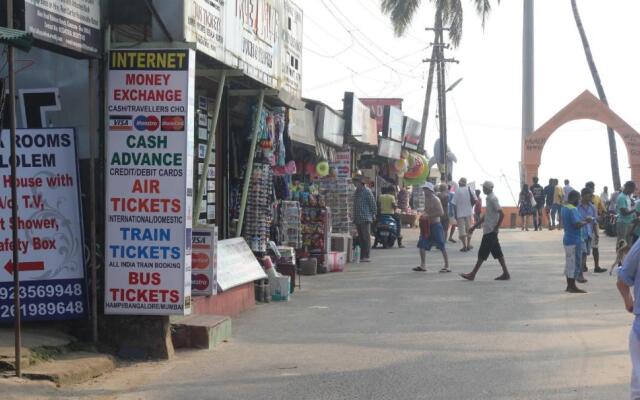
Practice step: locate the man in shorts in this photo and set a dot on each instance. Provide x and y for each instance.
(433, 211)
(491, 221)
(464, 200)
(573, 240)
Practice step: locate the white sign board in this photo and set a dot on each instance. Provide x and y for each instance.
(291, 25)
(73, 25)
(149, 181)
(50, 244)
(237, 264)
(203, 260)
(204, 25)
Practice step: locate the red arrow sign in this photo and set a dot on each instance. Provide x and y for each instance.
(25, 266)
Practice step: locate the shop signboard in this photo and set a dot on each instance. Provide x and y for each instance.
(203, 259)
(301, 127)
(149, 181)
(330, 126)
(236, 264)
(342, 164)
(70, 25)
(291, 25)
(389, 148)
(393, 123)
(358, 122)
(253, 38)
(50, 238)
(411, 131)
(377, 105)
(204, 26)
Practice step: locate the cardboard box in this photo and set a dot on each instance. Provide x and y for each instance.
(279, 288)
(343, 243)
(336, 260)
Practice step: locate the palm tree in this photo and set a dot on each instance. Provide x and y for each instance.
(449, 13)
(613, 151)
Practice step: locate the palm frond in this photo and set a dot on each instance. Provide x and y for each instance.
(452, 17)
(400, 12)
(483, 8)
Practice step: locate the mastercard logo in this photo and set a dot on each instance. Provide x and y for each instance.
(149, 123)
(199, 281)
(172, 123)
(199, 261)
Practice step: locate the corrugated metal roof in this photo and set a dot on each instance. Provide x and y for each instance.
(16, 38)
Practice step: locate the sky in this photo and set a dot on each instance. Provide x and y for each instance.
(349, 45)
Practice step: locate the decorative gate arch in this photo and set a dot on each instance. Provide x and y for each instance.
(585, 106)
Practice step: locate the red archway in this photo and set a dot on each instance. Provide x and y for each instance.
(585, 106)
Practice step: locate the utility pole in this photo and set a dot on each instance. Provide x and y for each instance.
(437, 30)
(440, 62)
(527, 75)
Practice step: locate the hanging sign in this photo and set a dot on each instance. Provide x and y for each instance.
(358, 122)
(393, 123)
(204, 26)
(72, 25)
(411, 133)
(149, 181)
(203, 260)
(291, 25)
(376, 105)
(50, 239)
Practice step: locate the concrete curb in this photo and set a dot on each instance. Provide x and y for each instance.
(70, 368)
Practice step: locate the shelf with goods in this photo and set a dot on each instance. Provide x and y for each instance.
(316, 233)
(290, 224)
(258, 212)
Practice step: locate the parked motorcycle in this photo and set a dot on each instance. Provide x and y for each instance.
(386, 231)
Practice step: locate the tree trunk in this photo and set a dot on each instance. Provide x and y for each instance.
(432, 64)
(613, 152)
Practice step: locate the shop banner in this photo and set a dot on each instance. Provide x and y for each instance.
(411, 131)
(291, 79)
(72, 25)
(358, 121)
(149, 181)
(253, 38)
(203, 25)
(236, 264)
(301, 127)
(393, 123)
(51, 248)
(330, 126)
(376, 105)
(389, 149)
(203, 259)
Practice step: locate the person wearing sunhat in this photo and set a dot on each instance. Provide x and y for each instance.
(490, 221)
(364, 212)
(431, 231)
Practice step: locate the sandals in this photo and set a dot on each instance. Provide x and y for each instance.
(444, 270)
(420, 269)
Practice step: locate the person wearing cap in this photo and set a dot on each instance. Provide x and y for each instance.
(364, 212)
(433, 211)
(490, 245)
(464, 200)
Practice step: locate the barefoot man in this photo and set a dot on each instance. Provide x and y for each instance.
(491, 221)
(432, 212)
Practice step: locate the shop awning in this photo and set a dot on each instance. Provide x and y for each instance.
(17, 38)
(301, 127)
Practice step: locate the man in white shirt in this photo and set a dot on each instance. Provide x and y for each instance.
(464, 199)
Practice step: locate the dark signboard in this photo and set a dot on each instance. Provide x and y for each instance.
(393, 123)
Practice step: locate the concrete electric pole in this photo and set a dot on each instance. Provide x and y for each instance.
(527, 75)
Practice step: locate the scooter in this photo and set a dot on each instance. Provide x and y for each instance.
(386, 232)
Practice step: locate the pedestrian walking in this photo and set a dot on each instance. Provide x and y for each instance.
(477, 208)
(558, 201)
(604, 196)
(548, 197)
(464, 199)
(490, 245)
(443, 195)
(590, 231)
(451, 212)
(364, 212)
(431, 231)
(629, 277)
(525, 206)
(625, 211)
(539, 199)
(566, 190)
(572, 241)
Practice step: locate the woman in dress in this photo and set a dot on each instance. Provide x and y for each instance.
(525, 206)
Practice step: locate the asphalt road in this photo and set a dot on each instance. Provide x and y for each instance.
(381, 331)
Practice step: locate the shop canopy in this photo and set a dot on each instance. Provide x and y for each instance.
(17, 38)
